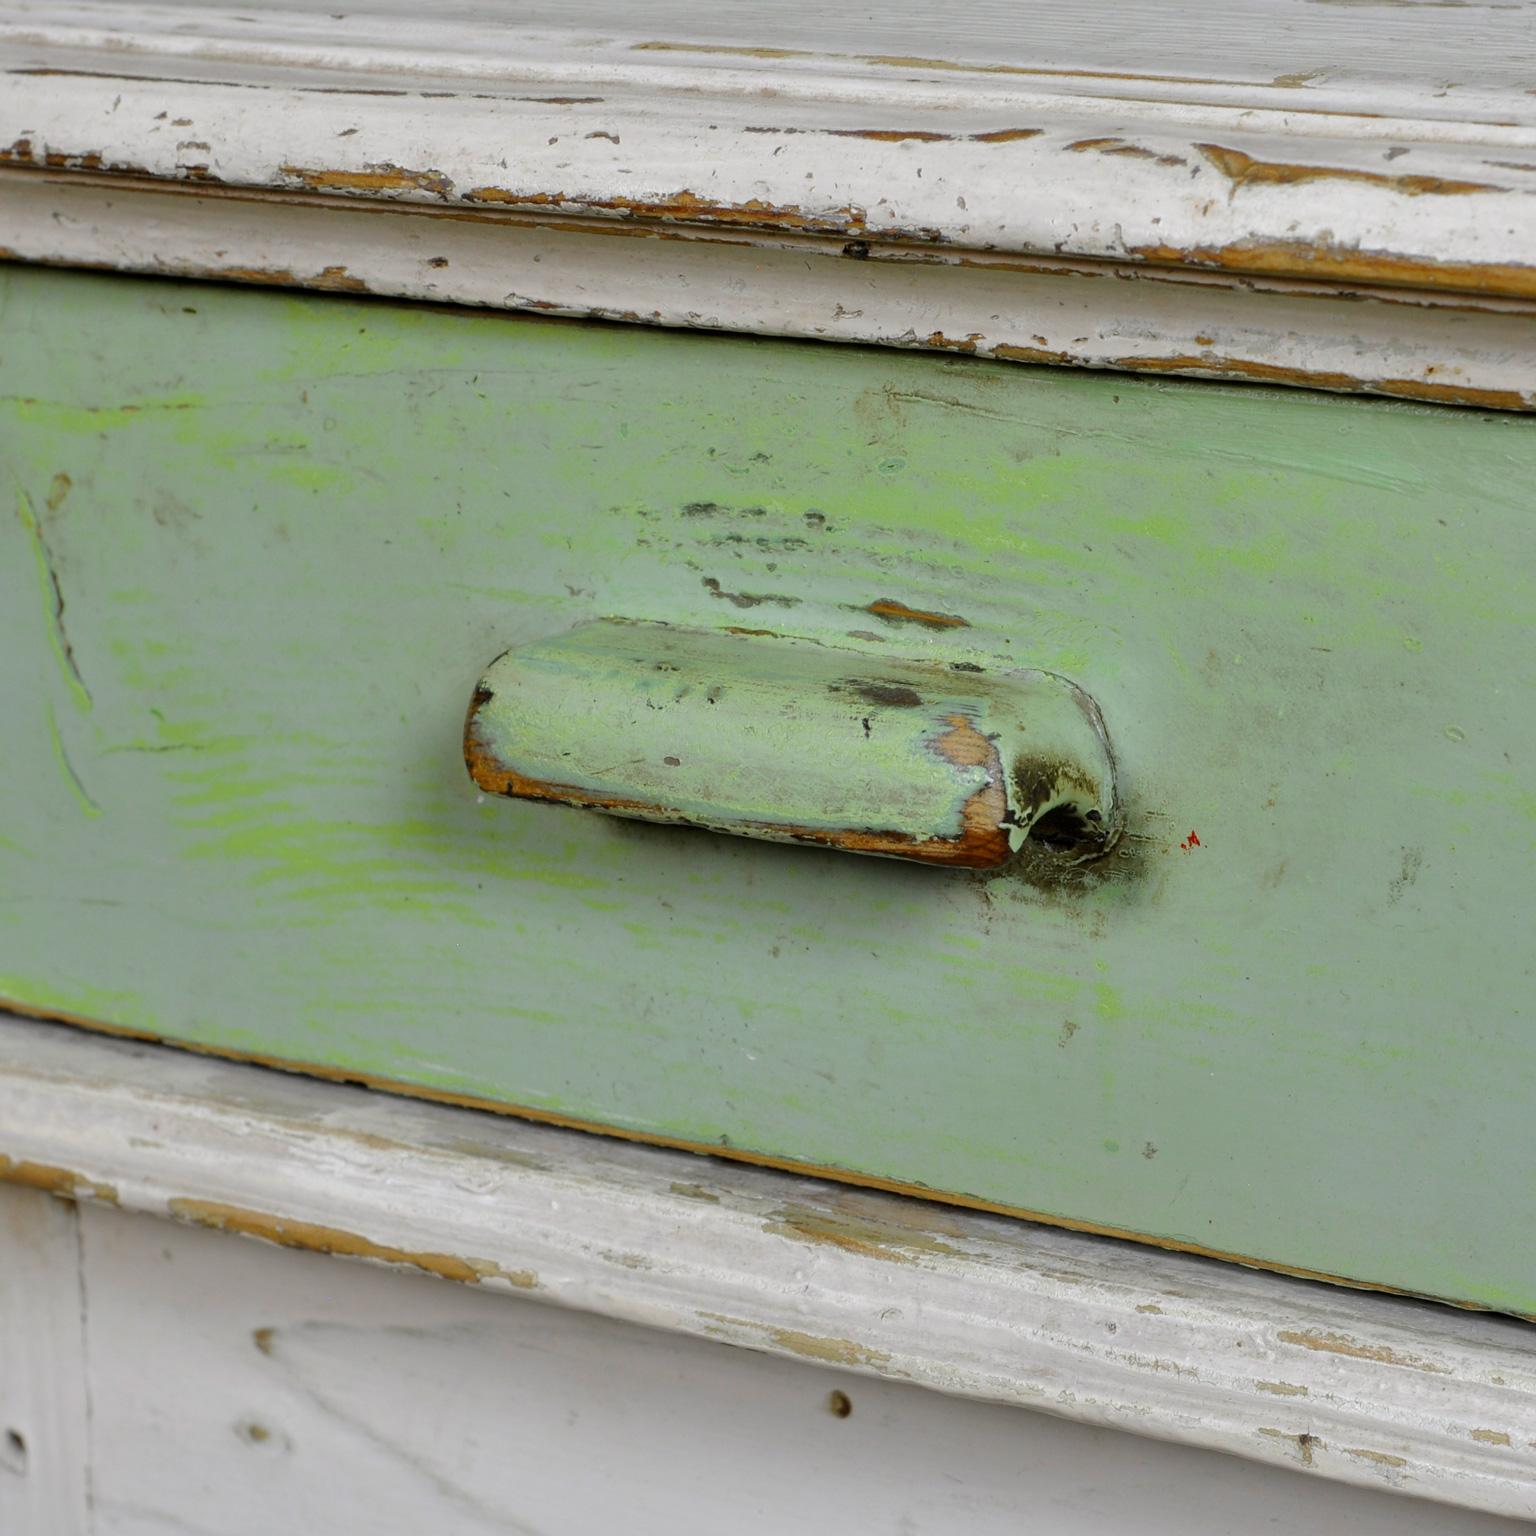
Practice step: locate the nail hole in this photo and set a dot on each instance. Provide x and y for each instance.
(15, 1450)
(839, 1404)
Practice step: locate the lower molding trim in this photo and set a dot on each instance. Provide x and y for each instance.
(1376, 1391)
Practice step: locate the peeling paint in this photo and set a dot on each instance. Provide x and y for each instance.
(1312, 260)
(695, 1192)
(374, 178)
(1114, 146)
(335, 279)
(908, 61)
(686, 207)
(1338, 1344)
(811, 1346)
(1243, 170)
(1492, 1437)
(1214, 366)
(1012, 353)
(873, 1239)
(55, 1181)
(940, 341)
(289, 1232)
(1380, 1458)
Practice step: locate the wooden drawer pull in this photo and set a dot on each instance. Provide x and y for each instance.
(770, 737)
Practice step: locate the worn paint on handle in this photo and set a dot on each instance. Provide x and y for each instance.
(770, 737)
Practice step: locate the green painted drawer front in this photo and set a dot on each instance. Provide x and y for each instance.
(260, 547)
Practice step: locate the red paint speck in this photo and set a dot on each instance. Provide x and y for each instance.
(1192, 841)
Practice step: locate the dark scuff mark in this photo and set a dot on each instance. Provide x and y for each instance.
(714, 509)
(748, 599)
(28, 517)
(1413, 861)
(896, 695)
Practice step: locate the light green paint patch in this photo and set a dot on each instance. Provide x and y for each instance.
(299, 529)
(77, 1000)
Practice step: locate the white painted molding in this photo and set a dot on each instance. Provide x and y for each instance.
(1376, 1391)
(1136, 319)
(1274, 147)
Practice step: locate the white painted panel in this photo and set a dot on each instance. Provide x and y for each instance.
(242, 1391)
(44, 1430)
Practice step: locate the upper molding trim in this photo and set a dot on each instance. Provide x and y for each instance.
(1134, 138)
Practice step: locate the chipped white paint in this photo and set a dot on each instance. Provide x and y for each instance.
(238, 1390)
(1357, 1388)
(1126, 317)
(1272, 151)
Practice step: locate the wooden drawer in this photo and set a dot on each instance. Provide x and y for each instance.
(263, 545)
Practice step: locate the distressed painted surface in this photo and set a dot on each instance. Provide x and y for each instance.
(259, 548)
(1409, 343)
(1352, 220)
(1340, 1385)
(1052, 136)
(762, 736)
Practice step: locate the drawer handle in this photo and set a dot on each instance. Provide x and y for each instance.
(770, 737)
